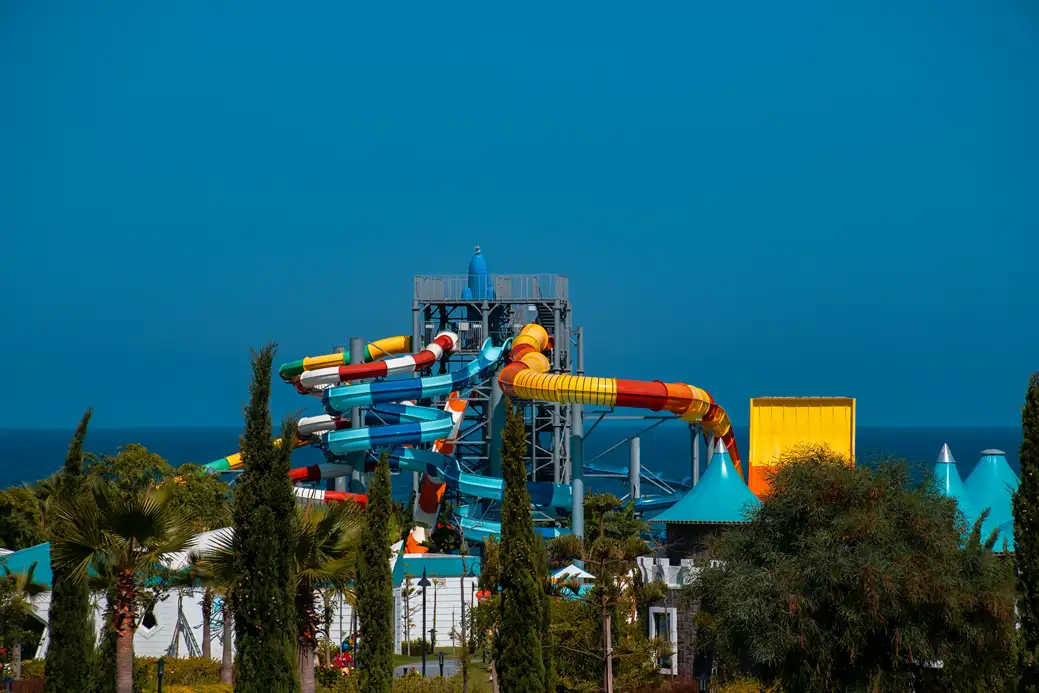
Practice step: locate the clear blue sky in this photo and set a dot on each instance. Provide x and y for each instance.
(802, 198)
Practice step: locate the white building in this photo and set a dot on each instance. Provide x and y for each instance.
(451, 578)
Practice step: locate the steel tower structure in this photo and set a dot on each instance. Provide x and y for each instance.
(478, 305)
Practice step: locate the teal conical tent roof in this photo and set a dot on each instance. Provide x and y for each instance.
(992, 485)
(720, 497)
(947, 477)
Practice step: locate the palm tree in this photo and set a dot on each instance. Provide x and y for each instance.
(120, 535)
(214, 570)
(25, 593)
(325, 557)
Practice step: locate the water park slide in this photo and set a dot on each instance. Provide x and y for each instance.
(391, 346)
(543, 494)
(526, 377)
(479, 530)
(315, 428)
(320, 379)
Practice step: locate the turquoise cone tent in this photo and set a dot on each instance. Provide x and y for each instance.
(992, 485)
(721, 496)
(947, 478)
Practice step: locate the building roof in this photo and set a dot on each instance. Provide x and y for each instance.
(439, 565)
(947, 477)
(991, 485)
(572, 571)
(19, 562)
(721, 496)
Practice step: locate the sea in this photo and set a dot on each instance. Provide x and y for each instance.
(31, 454)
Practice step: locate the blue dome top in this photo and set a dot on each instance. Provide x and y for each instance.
(479, 284)
(720, 497)
(478, 265)
(947, 477)
(992, 485)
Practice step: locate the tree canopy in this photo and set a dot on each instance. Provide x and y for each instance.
(375, 586)
(21, 522)
(857, 579)
(1026, 539)
(263, 597)
(517, 647)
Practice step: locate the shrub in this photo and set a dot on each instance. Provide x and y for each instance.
(187, 671)
(32, 669)
(746, 684)
(201, 688)
(416, 647)
(346, 683)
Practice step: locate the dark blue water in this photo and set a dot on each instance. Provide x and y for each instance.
(28, 455)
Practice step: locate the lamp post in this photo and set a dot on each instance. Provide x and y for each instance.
(423, 583)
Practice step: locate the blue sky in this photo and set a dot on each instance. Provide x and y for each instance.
(806, 198)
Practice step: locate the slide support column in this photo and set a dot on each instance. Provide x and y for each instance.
(694, 442)
(357, 347)
(416, 341)
(577, 448)
(556, 428)
(635, 467)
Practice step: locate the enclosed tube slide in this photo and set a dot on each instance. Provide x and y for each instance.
(391, 346)
(543, 494)
(315, 428)
(319, 379)
(526, 377)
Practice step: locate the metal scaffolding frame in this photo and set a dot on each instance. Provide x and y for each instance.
(517, 299)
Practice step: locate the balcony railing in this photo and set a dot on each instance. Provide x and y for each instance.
(502, 288)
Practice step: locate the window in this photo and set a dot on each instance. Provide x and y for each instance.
(149, 622)
(663, 623)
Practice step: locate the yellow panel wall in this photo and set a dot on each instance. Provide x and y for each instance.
(780, 423)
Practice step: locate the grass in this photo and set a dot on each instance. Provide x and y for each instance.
(403, 659)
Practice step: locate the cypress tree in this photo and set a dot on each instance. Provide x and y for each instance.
(517, 648)
(375, 587)
(1026, 542)
(264, 542)
(71, 647)
(548, 652)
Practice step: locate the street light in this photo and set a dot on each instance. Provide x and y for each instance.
(423, 583)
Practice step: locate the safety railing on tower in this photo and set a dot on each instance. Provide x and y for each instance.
(508, 288)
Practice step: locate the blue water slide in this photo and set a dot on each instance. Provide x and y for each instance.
(478, 530)
(543, 494)
(403, 424)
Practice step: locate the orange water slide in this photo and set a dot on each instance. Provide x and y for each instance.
(527, 377)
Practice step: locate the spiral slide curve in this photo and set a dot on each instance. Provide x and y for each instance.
(526, 377)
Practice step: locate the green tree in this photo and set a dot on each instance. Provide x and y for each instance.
(131, 470)
(519, 666)
(21, 522)
(548, 646)
(214, 569)
(855, 579)
(70, 648)
(203, 498)
(264, 595)
(121, 537)
(1026, 541)
(326, 556)
(444, 537)
(24, 594)
(484, 615)
(607, 644)
(375, 587)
